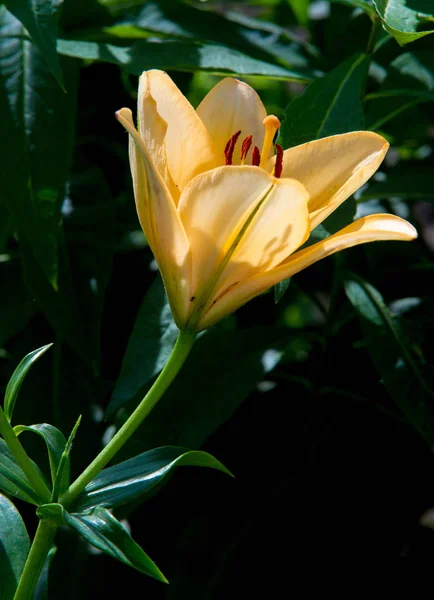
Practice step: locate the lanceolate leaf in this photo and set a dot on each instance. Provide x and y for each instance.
(12, 479)
(18, 377)
(406, 20)
(14, 547)
(403, 372)
(102, 530)
(55, 442)
(330, 105)
(139, 476)
(178, 56)
(39, 17)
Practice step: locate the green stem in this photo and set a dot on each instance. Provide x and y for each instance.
(370, 47)
(36, 559)
(22, 459)
(179, 354)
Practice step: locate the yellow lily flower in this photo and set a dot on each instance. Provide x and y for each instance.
(223, 231)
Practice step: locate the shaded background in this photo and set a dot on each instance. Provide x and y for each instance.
(317, 397)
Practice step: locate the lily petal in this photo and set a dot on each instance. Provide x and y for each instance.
(280, 226)
(172, 130)
(231, 106)
(368, 229)
(160, 221)
(213, 208)
(333, 168)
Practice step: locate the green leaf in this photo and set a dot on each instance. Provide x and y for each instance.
(300, 8)
(404, 182)
(172, 55)
(12, 479)
(223, 368)
(16, 305)
(14, 548)
(362, 4)
(403, 373)
(18, 377)
(41, 589)
(410, 80)
(403, 18)
(138, 476)
(150, 344)
(330, 105)
(55, 442)
(104, 532)
(280, 289)
(39, 17)
(36, 144)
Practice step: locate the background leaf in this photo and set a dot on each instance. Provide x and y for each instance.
(403, 18)
(14, 547)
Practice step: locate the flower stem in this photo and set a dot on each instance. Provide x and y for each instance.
(36, 559)
(22, 459)
(179, 354)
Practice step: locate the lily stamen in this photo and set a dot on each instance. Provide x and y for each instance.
(230, 147)
(245, 147)
(278, 165)
(271, 124)
(256, 157)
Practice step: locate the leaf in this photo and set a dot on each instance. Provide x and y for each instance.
(178, 56)
(139, 476)
(405, 182)
(280, 289)
(16, 306)
(39, 17)
(14, 548)
(403, 18)
(12, 479)
(300, 8)
(55, 442)
(330, 105)
(104, 532)
(223, 368)
(41, 589)
(405, 377)
(362, 4)
(150, 344)
(18, 376)
(410, 80)
(36, 148)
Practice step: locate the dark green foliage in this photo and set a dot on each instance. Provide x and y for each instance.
(318, 397)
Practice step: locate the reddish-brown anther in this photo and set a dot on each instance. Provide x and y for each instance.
(256, 156)
(278, 165)
(245, 147)
(230, 147)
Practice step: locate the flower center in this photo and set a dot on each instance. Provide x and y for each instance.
(259, 158)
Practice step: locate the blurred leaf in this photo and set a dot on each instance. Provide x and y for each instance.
(16, 306)
(14, 548)
(18, 377)
(89, 218)
(178, 56)
(280, 289)
(55, 442)
(330, 105)
(403, 18)
(410, 80)
(41, 589)
(362, 4)
(39, 17)
(253, 37)
(223, 368)
(138, 476)
(150, 344)
(103, 531)
(403, 373)
(406, 182)
(300, 8)
(12, 479)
